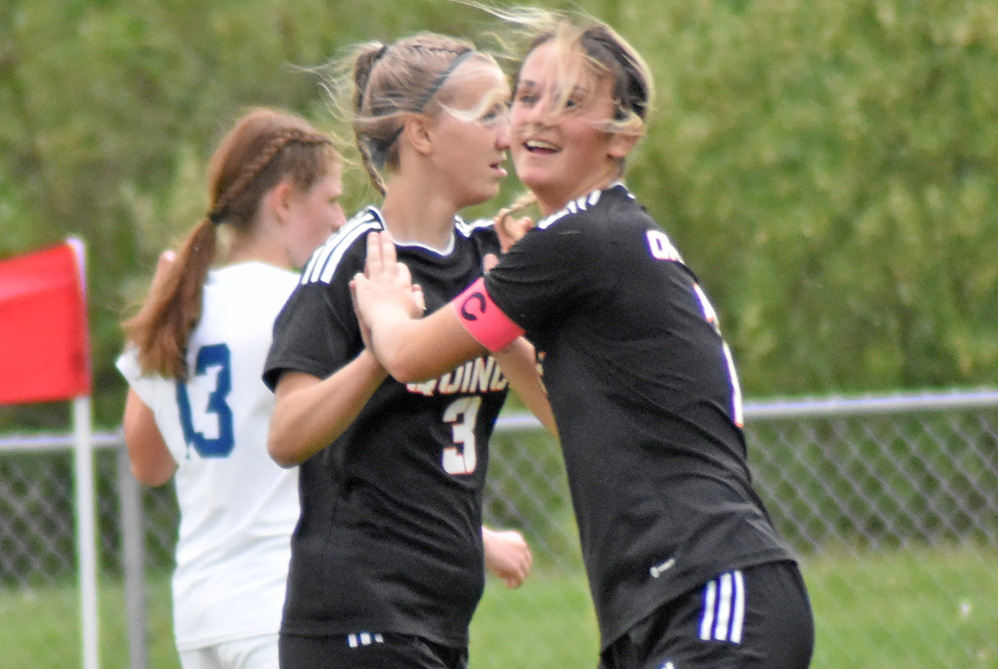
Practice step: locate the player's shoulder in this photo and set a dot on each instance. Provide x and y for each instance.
(245, 292)
(480, 234)
(343, 247)
(474, 228)
(594, 208)
(253, 277)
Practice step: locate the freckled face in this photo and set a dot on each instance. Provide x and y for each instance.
(562, 151)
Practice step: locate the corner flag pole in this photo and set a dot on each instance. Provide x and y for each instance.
(86, 530)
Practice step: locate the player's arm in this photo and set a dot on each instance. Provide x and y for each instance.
(507, 556)
(417, 349)
(518, 362)
(150, 459)
(310, 413)
(411, 350)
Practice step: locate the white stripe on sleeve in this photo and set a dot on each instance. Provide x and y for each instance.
(723, 609)
(738, 620)
(709, 597)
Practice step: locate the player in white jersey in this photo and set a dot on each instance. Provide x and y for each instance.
(685, 567)
(197, 410)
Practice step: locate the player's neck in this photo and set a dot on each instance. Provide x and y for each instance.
(257, 246)
(552, 198)
(418, 216)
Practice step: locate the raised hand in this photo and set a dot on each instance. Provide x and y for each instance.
(385, 287)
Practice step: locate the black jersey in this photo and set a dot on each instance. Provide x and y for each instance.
(647, 404)
(389, 538)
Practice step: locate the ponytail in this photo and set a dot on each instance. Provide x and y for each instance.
(172, 309)
(263, 148)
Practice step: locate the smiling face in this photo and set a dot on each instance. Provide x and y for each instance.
(471, 132)
(563, 146)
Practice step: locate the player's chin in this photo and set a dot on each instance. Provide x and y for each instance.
(483, 194)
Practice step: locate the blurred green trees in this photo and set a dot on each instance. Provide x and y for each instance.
(829, 168)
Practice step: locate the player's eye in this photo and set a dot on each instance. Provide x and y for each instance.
(526, 98)
(499, 112)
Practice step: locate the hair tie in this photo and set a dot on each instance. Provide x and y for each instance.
(378, 149)
(215, 217)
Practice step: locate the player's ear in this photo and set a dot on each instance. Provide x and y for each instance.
(621, 144)
(416, 130)
(278, 200)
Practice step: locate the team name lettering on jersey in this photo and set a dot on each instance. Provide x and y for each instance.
(660, 246)
(481, 375)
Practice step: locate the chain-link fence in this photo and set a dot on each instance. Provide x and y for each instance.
(892, 503)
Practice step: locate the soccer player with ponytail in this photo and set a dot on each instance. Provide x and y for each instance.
(197, 410)
(388, 562)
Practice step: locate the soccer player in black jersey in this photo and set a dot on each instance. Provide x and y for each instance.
(685, 567)
(387, 561)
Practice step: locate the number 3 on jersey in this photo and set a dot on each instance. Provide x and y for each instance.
(462, 457)
(209, 359)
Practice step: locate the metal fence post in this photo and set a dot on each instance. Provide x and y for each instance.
(133, 559)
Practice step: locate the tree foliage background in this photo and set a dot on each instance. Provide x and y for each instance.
(829, 168)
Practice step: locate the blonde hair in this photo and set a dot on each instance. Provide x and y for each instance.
(378, 84)
(604, 51)
(263, 148)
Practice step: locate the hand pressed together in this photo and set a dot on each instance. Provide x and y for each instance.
(385, 289)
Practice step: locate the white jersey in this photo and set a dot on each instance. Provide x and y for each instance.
(237, 507)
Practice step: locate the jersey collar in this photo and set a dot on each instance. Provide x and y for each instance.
(446, 251)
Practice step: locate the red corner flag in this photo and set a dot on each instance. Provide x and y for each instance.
(44, 347)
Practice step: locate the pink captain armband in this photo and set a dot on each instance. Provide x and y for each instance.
(483, 319)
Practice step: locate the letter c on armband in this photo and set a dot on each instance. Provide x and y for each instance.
(477, 297)
(483, 319)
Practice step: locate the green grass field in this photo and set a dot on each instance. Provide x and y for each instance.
(903, 610)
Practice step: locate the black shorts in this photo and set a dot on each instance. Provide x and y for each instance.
(368, 651)
(754, 618)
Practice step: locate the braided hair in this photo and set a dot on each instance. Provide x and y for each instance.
(263, 148)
